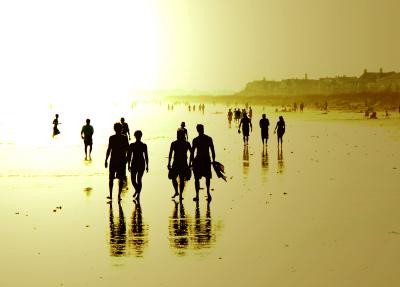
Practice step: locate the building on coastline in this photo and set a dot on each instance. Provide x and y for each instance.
(367, 82)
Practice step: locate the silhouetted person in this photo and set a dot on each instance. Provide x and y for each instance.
(201, 163)
(264, 125)
(117, 232)
(138, 161)
(184, 130)
(280, 129)
(230, 115)
(55, 126)
(237, 115)
(117, 147)
(125, 129)
(250, 113)
(86, 134)
(301, 107)
(180, 167)
(246, 125)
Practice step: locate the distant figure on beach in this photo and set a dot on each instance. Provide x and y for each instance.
(201, 163)
(280, 129)
(190, 108)
(230, 115)
(55, 126)
(184, 130)
(246, 125)
(117, 147)
(237, 115)
(250, 113)
(180, 167)
(138, 162)
(301, 106)
(125, 129)
(264, 125)
(86, 134)
(326, 106)
(373, 116)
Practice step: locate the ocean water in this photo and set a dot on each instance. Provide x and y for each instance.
(323, 212)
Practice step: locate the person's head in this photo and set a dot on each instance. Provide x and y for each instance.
(263, 116)
(244, 114)
(56, 115)
(180, 135)
(281, 118)
(122, 120)
(200, 129)
(117, 128)
(183, 124)
(138, 135)
(87, 121)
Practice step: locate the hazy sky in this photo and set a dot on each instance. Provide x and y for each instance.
(89, 48)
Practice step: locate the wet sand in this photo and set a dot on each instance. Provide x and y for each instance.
(324, 212)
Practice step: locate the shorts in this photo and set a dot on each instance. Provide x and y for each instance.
(117, 170)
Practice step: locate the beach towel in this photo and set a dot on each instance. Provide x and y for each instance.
(219, 169)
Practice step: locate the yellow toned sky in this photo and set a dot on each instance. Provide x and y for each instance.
(87, 49)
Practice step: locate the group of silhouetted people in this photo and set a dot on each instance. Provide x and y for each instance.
(245, 126)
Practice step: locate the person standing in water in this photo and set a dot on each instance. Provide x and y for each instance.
(246, 125)
(202, 144)
(264, 125)
(86, 134)
(117, 147)
(230, 115)
(180, 167)
(55, 126)
(280, 130)
(138, 162)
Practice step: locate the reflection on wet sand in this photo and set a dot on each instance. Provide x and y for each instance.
(246, 162)
(281, 164)
(137, 237)
(117, 233)
(178, 229)
(185, 234)
(264, 159)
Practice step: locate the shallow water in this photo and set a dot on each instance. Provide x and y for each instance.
(324, 212)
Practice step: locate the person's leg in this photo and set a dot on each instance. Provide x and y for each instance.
(110, 186)
(139, 183)
(197, 187)
(120, 187)
(85, 151)
(134, 183)
(181, 186)
(175, 184)
(90, 151)
(208, 189)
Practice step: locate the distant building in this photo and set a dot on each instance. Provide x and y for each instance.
(367, 82)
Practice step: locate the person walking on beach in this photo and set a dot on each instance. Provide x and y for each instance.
(264, 125)
(86, 134)
(55, 126)
(246, 125)
(230, 115)
(117, 147)
(180, 167)
(125, 129)
(280, 130)
(201, 163)
(184, 130)
(138, 161)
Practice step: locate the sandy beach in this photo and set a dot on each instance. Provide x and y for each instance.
(324, 212)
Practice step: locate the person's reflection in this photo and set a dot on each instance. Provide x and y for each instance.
(281, 166)
(178, 229)
(264, 158)
(203, 232)
(117, 233)
(139, 235)
(246, 162)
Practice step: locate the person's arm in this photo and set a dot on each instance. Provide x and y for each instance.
(212, 150)
(170, 156)
(146, 158)
(276, 127)
(251, 126)
(108, 152)
(129, 158)
(82, 133)
(192, 153)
